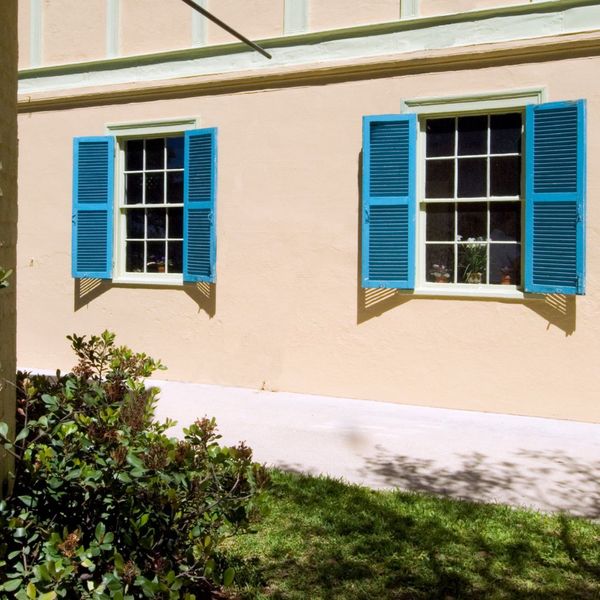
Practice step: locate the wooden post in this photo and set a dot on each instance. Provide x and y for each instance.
(8, 219)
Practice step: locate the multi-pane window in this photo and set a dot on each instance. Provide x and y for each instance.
(152, 205)
(473, 198)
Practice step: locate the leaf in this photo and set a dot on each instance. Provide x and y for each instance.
(22, 434)
(48, 596)
(31, 590)
(100, 530)
(11, 585)
(228, 576)
(135, 461)
(4, 429)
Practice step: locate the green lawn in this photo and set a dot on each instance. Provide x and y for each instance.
(323, 539)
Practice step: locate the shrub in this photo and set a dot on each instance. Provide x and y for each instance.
(105, 504)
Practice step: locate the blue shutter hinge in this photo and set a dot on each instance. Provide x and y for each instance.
(366, 215)
(210, 217)
(579, 217)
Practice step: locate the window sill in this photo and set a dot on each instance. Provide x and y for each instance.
(474, 291)
(150, 280)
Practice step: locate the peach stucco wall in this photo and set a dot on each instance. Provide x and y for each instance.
(338, 13)
(73, 31)
(429, 8)
(287, 312)
(154, 26)
(256, 19)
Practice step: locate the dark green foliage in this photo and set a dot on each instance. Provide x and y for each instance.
(105, 505)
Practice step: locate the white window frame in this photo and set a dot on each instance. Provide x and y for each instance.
(123, 132)
(457, 106)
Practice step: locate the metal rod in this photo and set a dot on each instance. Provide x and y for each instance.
(226, 27)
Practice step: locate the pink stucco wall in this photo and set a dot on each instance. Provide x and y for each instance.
(429, 8)
(287, 312)
(73, 31)
(338, 13)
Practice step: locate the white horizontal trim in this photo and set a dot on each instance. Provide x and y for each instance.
(149, 279)
(395, 39)
(152, 127)
(471, 291)
(474, 102)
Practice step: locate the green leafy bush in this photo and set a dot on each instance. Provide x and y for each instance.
(105, 505)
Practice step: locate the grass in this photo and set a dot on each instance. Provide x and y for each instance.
(322, 539)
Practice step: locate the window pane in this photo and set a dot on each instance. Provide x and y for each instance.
(472, 135)
(155, 188)
(175, 153)
(156, 257)
(439, 179)
(175, 187)
(175, 257)
(505, 264)
(156, 223)
(155, 153)
(133, 188)
(176, 222)
(439, 262)
(440, 137)
(505, 176)
(505, 132)
(134, 257)
(472, 220)
(135, 224)
(472, 177)
(134, 155)
(505, 221)
(440, 222)
(472, 261)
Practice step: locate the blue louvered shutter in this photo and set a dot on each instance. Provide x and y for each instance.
(555, 198)
(388, 197)
(199, 220)
(93, 197)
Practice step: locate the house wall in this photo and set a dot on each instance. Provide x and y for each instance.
(8, 214)
(98, 29)
(287, 311)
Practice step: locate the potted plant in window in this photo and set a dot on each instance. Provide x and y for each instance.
(506, 275)
(440, 273)
(475, 260)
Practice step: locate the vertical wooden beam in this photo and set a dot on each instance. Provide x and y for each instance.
(8, 219)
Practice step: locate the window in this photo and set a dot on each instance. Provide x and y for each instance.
(154, 222)
(151, 205)
(471, 209)
(499, 209)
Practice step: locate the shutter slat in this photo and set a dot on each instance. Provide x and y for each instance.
(93, 181)
(388, 230)
(555, 236)
(199, 245)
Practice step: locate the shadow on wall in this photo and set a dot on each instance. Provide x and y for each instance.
(203, 294)
(557, 309)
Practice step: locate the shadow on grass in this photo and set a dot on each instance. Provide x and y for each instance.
(323, 539)
(553, 480)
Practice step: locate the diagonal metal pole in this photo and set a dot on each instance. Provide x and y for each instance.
(226, 27)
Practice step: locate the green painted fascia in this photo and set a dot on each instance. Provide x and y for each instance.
(314, 37)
